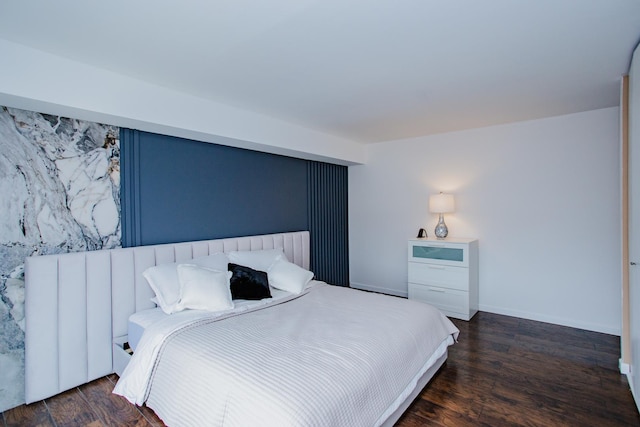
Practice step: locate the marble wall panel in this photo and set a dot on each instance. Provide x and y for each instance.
(59, 192)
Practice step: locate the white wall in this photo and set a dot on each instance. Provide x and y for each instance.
(542, 196)
(38, 81)
(631, 340)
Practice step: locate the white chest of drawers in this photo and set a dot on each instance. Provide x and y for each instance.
(444, 273)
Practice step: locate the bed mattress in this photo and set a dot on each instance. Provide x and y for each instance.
(331, 356)
(140, 321)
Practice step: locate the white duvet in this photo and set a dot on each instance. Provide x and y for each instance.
(329, 357)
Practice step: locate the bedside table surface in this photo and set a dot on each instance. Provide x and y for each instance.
(463, 240)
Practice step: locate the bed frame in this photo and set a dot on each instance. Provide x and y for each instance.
(77, 305)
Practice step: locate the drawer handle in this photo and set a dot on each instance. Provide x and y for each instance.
(437, 290)
(436, 267)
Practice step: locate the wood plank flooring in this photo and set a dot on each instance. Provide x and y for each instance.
(503, 371)
(506, 371)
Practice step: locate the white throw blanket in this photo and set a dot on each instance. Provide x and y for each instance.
(331, 357)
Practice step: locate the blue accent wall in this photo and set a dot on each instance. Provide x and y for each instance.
(180, 190)
(176, 190)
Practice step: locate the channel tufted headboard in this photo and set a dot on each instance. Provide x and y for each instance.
(77, 304)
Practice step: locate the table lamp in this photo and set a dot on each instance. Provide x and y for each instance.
(441, 204)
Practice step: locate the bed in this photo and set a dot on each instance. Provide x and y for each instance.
(322, 355)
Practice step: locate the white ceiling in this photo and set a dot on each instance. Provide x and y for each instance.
(366, 70)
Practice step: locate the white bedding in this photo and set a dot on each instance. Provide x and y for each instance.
(140, 321)
(331, 356)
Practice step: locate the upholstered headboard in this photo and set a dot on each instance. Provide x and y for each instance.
(77, 303)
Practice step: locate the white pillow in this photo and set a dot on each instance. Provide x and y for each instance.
(203, 289)
(258, 260)
(163, 279)
(289, 277)
(164, 282)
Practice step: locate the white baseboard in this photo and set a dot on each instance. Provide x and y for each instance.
(636, 398)
(378, 289)
(507, 312)
(625, 368)
(551, 319)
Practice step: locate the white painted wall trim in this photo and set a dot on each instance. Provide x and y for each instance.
(387, 291)
(513, 313)
(625, 368)
(34, 80)
(541, 317)
(636, 398)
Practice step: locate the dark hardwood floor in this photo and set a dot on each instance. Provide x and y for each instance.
(503, 371)
(506, 371)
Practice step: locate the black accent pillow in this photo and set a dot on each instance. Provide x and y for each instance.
(247, 283)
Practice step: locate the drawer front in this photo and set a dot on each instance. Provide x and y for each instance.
(447, 300)
(443, 276)
(455, 254)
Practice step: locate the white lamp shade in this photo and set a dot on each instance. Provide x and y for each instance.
(441, 203)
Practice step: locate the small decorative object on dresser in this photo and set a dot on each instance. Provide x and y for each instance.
(445, 274)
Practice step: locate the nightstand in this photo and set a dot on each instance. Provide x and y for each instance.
(444, 273)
